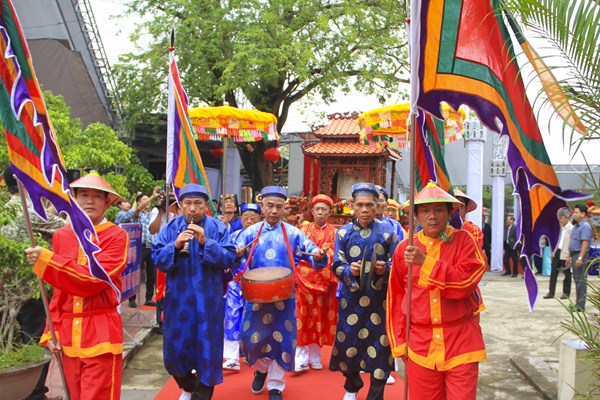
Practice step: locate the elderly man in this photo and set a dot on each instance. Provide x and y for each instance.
(445, 341)
(363, 252)
(269, 329)
(316, 304)
(560, 256)
(193, 304)
(83, 308)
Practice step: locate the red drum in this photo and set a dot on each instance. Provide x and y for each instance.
(267, 284)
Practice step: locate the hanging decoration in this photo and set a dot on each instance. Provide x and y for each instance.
(217, 123)
(272, 154)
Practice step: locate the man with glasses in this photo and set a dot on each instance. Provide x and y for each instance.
(193, 304)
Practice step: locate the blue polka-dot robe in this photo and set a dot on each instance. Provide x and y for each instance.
(234, 302)
(361, 342)
(193, 309)
(269, 329)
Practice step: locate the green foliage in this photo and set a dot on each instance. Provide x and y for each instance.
(138, 178)
(96, 147)
(23, 354)
(270, 53)
(572, 29)
(119, 183)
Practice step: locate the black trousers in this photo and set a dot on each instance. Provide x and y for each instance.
(354, 383)
(557, 266)
(32, 319)
(190, 383)
(511, 254)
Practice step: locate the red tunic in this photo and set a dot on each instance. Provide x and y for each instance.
(444, 330)
(316, 304)
(475, 231)
(84, 308)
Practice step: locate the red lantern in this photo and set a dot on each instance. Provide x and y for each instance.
(216, 152)
(272, 154)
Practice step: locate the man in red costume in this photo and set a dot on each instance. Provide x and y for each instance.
(445, 341)
(316, 304)
(83, 308)
(469, 205)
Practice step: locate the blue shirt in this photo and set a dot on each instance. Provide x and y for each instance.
(124, 217)
(144, 219)
(581, 231)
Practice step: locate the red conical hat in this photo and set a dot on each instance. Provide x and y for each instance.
(95, 181)
(433, 194)
(470, 204)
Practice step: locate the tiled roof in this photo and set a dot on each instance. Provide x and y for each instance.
(340, 125)
(343, 149)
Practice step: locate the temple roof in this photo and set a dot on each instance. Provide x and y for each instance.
(341, 125)
(343, 150)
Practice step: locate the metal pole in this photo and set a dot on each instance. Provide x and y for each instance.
(224, 166)
(57, 356)
(411, 202)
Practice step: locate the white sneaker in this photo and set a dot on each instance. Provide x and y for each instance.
(232, 365)
(350, 396)
(185, 395)
(316, 365)
(301, 367)
(390, 380)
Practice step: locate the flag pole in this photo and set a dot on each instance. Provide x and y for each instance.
(411, 202)
(57, 356)
(411, 192)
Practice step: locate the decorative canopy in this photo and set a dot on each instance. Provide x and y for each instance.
(217, 123)
(388, 126)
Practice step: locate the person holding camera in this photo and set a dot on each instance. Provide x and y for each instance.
(142, 216)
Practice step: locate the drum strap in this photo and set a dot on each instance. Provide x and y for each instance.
(287, 244)
(238, 276)
(289, 248)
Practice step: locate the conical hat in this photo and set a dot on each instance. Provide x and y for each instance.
(433, 194)
(393, 203)
(470, 204)
(95, 181)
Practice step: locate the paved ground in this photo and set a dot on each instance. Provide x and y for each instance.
(522, 346)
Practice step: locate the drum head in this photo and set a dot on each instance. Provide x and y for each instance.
(267, 274)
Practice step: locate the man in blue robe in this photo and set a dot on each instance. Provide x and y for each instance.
(382, 202)
(234, 302)
(193, 309)
(268, 333)
(361, 342)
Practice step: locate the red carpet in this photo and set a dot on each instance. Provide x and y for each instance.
(310, 385)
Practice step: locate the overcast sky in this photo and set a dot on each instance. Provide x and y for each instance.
(303, 114)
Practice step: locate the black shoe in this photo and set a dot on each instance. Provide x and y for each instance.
(158, 330)
(132, 304)
(506, 273)
(150, 303)
(564, 296)
(575, 309)
(275, 394)
(549, 296)
(514, 276)
(258, 384)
